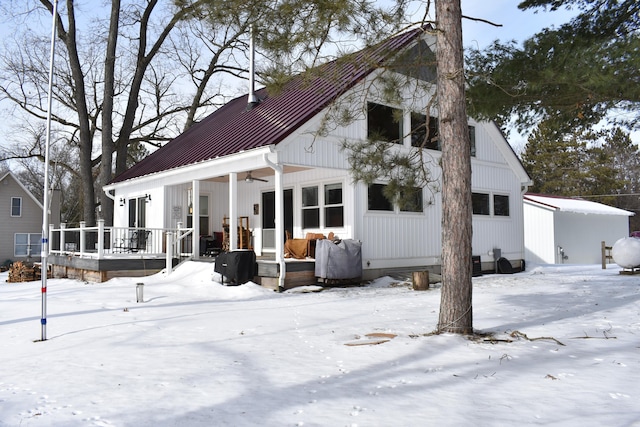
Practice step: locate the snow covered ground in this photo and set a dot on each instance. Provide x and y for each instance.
(196, 353)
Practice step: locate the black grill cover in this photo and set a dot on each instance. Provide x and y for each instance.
(237, 267)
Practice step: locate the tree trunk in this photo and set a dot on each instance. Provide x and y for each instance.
(455, 308)
(85, 137)
(106, 163)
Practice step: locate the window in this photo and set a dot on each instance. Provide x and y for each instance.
(204, 215)
(480, 203)
(500, 205)
(16, 206)
(310, 208)
(333, 208)
(412, 202)
(427, 133)
(137, 212)
(27, 244)
(472, 140)
(377, 201)
(384, 123)
(423, 133)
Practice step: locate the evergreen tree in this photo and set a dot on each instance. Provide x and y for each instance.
(579, 72)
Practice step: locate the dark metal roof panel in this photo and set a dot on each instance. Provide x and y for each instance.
(234, 128)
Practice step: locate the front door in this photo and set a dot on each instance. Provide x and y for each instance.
(269, 217)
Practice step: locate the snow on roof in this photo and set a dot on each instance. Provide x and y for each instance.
(566, 204)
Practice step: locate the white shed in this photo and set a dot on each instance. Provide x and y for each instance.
(561, 230)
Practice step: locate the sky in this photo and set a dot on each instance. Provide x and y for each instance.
(515, 25)
(564, 351)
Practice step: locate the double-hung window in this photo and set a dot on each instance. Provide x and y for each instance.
(16, 206)
(329, 202)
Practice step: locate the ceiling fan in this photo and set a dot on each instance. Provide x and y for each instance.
(250, 178)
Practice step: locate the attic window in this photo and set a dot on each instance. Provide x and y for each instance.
(16, 206)
(384, 123)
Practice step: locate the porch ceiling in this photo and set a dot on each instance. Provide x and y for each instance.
(262, 173)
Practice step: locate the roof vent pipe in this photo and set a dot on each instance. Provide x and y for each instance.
(252, 99)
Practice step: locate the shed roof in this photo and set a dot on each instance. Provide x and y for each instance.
(234, 128)
(567, 204)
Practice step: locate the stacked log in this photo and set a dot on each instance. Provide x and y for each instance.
(24, 272)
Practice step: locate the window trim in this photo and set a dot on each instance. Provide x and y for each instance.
(321, 205)
(491, 204)
(30, 244)
(19, 207)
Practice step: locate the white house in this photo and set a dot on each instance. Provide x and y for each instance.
(276, 165)
(561, 230)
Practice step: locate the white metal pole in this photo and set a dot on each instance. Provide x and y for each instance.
(45, 203)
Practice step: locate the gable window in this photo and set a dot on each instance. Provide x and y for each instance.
(423, 132)
(333, 207)
(376, 200)
(480, 203)
(384, 123)
(310, 207)
(27, 244)
(500, 205)
(16, 206)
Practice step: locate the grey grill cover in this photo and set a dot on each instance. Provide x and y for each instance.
(338, 261)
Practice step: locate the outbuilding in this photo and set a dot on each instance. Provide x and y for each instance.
(562, 230)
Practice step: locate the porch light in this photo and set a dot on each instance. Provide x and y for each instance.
(147, 198)
(121, 201)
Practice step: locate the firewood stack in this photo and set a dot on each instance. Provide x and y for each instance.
(24, 272)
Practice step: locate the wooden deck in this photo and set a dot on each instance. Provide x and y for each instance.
(298, 273)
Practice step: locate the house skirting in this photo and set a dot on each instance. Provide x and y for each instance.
(101, 270)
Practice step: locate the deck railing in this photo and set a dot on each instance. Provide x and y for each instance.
(102, 242)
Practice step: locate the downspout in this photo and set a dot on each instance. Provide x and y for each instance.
(279, 219)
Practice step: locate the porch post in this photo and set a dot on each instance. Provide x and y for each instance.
(100, 238)
(63, 225)
(233, 211)
(280, 227)
(196, 219)
(82, 238)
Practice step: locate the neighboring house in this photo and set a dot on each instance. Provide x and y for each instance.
(278, 164)
(561, 230)
(21, 222)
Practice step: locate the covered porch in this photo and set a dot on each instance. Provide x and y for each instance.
(100, 253)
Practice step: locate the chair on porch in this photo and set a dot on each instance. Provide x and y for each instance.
(136, 241)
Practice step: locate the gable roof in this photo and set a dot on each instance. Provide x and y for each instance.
(21, 185)
(234, 128)
(567, 204)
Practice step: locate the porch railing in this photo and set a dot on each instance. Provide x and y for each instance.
(120, 242)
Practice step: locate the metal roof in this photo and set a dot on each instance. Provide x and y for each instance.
(234, 128)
